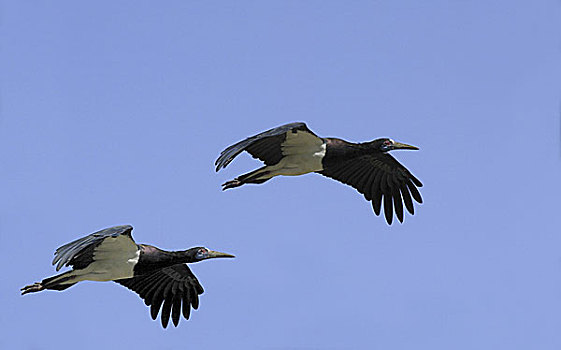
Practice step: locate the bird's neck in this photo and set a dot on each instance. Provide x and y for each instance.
(366, 146)
(338, 150)
(181, 256)
(153, 258)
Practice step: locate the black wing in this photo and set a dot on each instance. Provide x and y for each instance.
(171, 286)
(379, 177)
(73, 252)
(265, 146)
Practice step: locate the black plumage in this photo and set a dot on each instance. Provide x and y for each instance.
(175, 286)
(293, 149)
(157, 276)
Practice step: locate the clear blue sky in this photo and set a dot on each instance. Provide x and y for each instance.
(114, 112)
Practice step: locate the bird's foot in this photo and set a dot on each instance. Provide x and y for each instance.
(231, 184)
(32, 288)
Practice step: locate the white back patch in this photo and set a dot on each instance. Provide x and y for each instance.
(302, 153)
(321, 153)
(301, 142)
(114, 258)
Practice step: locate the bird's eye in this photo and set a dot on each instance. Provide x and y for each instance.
(202, 253)
(387, 143)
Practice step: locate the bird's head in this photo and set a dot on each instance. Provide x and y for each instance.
(202, 253)
(387, 144)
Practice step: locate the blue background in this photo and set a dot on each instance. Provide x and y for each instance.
(114, 112)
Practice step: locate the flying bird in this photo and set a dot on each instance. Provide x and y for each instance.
(293, 149)
(156, 275)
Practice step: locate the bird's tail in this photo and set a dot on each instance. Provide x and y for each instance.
(54, 283)
(255, 177)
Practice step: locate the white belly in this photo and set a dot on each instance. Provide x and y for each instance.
(302, 154)
(297, 165)
(115, 258)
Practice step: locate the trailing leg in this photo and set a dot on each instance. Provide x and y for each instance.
(255, 177)
(54, 283)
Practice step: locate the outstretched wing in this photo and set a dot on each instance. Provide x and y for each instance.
(81, 250)
(265, 146)
(379, 177)
(174, 286)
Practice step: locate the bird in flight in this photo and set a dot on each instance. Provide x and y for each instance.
(293, 149)
(156, 275)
